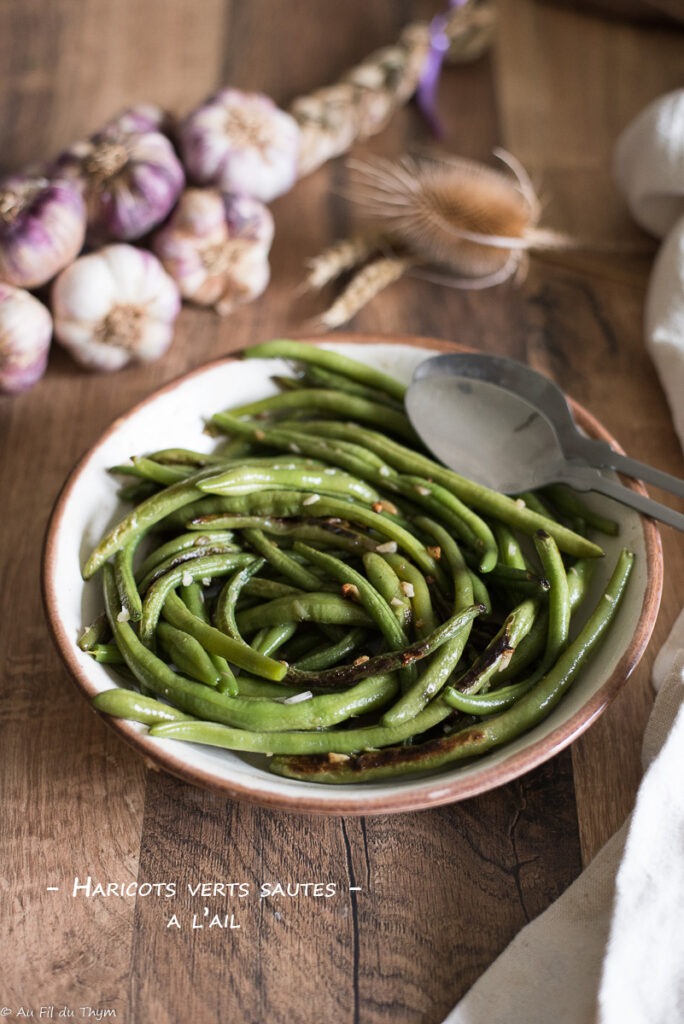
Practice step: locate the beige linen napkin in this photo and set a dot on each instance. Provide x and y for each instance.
(611, 948)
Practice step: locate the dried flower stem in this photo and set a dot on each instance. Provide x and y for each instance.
(366, 97)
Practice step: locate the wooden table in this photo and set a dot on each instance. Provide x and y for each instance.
(442, 892)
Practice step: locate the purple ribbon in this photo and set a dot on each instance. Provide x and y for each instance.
(426, 93)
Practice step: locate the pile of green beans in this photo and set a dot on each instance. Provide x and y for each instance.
(319, 589)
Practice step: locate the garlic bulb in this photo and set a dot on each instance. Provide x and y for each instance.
(215, 246)
(42, 228)
(25, 334)
(141, 117)
(115, 306)
(130, 179)
(241, 142)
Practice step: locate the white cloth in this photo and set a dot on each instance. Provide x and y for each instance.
(611, 948)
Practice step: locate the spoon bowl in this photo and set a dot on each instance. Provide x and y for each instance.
(508, 427)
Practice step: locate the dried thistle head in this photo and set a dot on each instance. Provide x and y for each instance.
(477, 221)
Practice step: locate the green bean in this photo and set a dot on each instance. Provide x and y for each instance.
(184, 560)
(269, 589)
(186, 457)
(290, 503)
(187, 654)
(282, 562)
(559, 596)
(96, 633)
(105, 654)
(158, 472)
(371, 600)
(305, 711)
(261, 715)
(437, 673)
(269, 640)
(492, 503)
(192, 597)
(417, 590)
(151, 672)
(177, 545)
(248, 479)
(446, 507)
(135, 493)
(355, 459)
(125, 580)
(389, 661)
(531, 500)
(491, 701)
(348, 456)
(331, 403)
(250, 686)
(385, 580)
(474, 740)
(508, 544)
(317, 376)
(570, 504)
(141, 519)
(207, 566)
(480, 592)
(317, 606)
(579, 576)
(522, 580)
(498, 653)
(216, 642)
(224, 612)
(121, 703)
(341, 742)
(330, 533)
(332, 654)
(283, 348)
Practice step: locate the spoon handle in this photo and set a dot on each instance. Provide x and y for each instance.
(585, 479)
(600, 454)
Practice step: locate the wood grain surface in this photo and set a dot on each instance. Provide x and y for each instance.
(423, 902)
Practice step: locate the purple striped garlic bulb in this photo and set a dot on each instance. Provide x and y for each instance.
(215, 247)
(130, 179)
(241, 142)
(42, 228)
(25, 335)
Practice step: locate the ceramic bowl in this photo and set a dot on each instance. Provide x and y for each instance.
(175, 416)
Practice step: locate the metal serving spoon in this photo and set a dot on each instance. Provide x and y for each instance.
(503, 424)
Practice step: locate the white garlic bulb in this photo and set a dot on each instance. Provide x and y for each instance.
(241, 142)
(25, 335)
(215, 246)
(114, 306)
(42, 228)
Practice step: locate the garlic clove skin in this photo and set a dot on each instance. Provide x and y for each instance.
(25, 335)
(215, 246)
(130, 180)
(115, 306)
(241, 142)
(42, 228)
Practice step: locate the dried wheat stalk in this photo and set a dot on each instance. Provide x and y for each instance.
(338, 258)
(368, 282)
